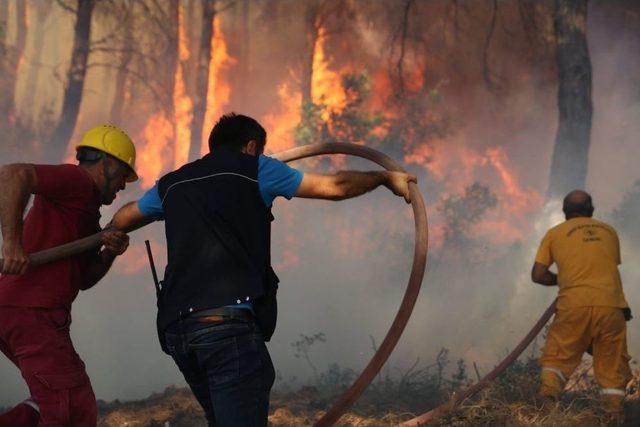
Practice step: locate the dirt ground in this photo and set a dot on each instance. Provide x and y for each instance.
(176, 407)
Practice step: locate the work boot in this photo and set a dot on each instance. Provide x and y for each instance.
(614, 419)
(545, 403)
(613, 407)
(551, 385)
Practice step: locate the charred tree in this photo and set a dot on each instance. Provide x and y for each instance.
(202, 78)
(42, 9)
(161, 70)
(192, 22)
(126, 57)
(321, 18)
(4, 9)
(245, 56)
(573, 137)
(75, 79)
(404, 30)
(172, 56)
(21, 34)
(313, 25)
(14, 59)
(239, 46)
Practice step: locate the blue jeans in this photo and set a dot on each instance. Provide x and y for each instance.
(228, 368)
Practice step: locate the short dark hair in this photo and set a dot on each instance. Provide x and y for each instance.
(235, 131)
(576, 208)
(88, 155)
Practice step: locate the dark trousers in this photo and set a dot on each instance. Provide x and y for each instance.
(228, 368)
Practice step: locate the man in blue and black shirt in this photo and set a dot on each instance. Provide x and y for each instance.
(217, 305)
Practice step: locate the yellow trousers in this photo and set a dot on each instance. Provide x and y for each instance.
(571, 333)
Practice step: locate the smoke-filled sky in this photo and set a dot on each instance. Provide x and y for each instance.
(344, 266)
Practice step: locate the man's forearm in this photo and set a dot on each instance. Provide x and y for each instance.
(348, 184)
(548, 279)
(353, 183)
(129, 218)
(98, 269)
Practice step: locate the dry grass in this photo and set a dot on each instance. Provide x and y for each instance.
(510, 401)
(175, 405)
(488, 411)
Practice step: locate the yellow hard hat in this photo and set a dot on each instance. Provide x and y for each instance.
(113, 141)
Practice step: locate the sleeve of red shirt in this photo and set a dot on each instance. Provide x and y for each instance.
(61, 182)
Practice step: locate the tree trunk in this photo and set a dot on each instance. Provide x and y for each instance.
(75, 80)
(42, 8)
(172, 57)
(312, 32)
(245, 64)
(202, 79)
(4, 10)
(121, 78)
(238, 44)
(21, 32)
(7, 104)
(571, 152)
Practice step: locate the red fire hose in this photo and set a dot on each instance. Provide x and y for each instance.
(408, 301)
(461, 396)
(415, 279)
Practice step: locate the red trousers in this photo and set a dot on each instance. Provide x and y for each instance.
(37, 341)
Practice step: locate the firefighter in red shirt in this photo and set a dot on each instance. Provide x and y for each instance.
(35, 303)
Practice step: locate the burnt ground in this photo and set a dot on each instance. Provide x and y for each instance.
(176, 407)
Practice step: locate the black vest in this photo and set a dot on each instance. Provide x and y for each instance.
(218, 239)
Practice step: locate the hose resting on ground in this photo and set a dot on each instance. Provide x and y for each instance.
(462, 395)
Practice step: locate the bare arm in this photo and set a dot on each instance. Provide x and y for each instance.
(115, 244)
(540, 274)
(347, 184)
(19, 182)
(129, 218)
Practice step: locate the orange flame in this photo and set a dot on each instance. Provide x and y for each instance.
(326, 84)
(326, 90)
(219, 90)
(456, 165)
(280, 125)
(157, 135)
(181, 101)
(521, 200)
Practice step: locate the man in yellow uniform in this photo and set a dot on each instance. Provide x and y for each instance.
(591, 308)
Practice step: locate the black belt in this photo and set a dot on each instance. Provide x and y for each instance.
(227, 312)
(199, 319)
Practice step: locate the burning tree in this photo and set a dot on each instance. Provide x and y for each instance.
(11, 57)
(42, 9)
(462, 212)
(571, 152)
(202, 78)
(422, 117)
(75, 79)
(354, 123)
(351, 122)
